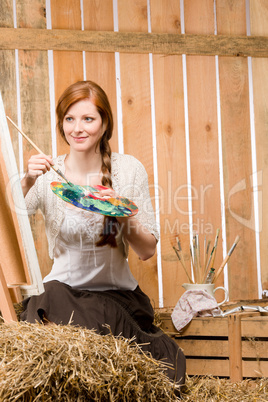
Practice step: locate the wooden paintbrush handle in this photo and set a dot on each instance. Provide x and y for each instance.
(36, 148)
(25, 136)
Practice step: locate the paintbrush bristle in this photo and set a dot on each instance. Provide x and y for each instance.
(237, 239)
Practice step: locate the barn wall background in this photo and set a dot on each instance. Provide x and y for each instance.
(198, 122)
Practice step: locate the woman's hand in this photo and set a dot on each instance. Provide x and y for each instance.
(37, 165)
(141, 240)
(107, 193)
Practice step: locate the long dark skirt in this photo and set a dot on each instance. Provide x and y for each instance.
(127, 313)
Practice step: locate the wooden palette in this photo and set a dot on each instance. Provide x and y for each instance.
(86, 197)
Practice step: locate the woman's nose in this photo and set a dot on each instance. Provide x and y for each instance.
(78, 126)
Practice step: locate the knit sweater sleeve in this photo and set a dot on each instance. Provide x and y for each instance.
(142, 198)
(32, 198)
(130, 180)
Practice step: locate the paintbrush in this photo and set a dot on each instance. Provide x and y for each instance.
(226, 259)
(205, 246)
(198, 257)
(192, 261)
(215, 248)
(181, 258)
(206, 253)
(180, 250)
(58, 171)
(195, 261)
(212, 256)
(208, 264)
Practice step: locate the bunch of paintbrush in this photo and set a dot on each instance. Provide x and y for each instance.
(178, 250)
(207, 273)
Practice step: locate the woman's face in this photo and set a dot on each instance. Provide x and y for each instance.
(83, 126)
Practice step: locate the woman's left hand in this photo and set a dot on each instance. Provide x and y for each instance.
(107, 193)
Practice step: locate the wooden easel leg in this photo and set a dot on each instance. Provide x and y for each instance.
(15, 294)
(6, 305)
(235, 347)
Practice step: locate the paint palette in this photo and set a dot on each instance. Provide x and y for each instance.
(87, 197)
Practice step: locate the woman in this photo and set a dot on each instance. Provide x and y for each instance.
(90, 283)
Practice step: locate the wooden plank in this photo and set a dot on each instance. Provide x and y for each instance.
(12, 256)
(214, 367)
(128, 42)
(255, 368)
(209, 326)
(35, 108)
(68, 65)
(171, 157)
(203, 133)
(236, 149)
(6, 305)
(136, 108)
(255, 349)
(235, 347)
(214, 348)
(15, 294)
(204, 348)
(254, 327)
(8, 73)
(100, 67)
(258, 24)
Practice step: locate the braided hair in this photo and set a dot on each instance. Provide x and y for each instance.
(90, 90)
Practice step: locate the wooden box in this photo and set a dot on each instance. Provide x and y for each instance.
(234, 346)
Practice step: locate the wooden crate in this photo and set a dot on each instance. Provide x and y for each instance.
(234, 346)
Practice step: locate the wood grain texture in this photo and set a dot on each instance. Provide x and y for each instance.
(68, 65)
(11, 258)
(100, 66)
(237, 170)
(138, 42)
(35, 107)
(6, 305)
(215, 367)
(203, 134)
(235, 347)
(136, 106)
(8, 73)
(259, 18)
(171, 158)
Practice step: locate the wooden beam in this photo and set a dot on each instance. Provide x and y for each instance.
(6, 305)
(235, 347)
(129, 42)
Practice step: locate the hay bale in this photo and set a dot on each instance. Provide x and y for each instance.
(67, 363)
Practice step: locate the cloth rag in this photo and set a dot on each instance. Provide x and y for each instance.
(194, 303)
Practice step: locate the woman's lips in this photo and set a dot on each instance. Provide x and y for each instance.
(79, 139)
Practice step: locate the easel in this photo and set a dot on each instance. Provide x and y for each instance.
(19, 269)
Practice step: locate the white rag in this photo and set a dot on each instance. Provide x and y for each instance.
(194, 303)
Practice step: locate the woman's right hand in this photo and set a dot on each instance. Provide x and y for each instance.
(37, 165)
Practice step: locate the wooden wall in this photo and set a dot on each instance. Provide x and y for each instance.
(187, 101)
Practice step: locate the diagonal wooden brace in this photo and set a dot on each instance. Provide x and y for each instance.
(6, 305)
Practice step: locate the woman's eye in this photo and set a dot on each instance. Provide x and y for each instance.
(68, 118)
(88, 118)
